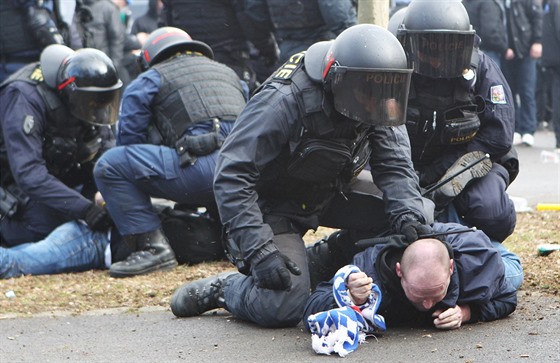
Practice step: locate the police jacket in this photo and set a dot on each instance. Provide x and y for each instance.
(551, 35)
(447, 118)
(290, 123)
(524, 20)
(175, 96)
(488, 18)
(47, 157)
(478, 280)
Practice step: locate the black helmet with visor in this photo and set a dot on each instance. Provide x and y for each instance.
(90, 86)
(437, 37)
(366, 70)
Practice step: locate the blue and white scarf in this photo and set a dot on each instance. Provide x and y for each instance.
(340, 330)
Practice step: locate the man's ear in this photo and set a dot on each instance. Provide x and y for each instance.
(451, 266)
(398, 269)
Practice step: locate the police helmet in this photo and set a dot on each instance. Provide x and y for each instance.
(365, 69)
(89, 84)
(395, 20)
(164, 42)
(438, 37)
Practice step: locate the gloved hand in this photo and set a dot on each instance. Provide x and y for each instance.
(413, 229)
(273, 272)
(97, 218)
(42, 26)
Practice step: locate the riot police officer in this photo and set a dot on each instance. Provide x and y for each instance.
(460, 107)
(227, 28)
(56, 116)
(27, 27)
(173, 119)
(299, 24)
(290, 165)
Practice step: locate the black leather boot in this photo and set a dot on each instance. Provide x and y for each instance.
(152, 252)
(197, 297)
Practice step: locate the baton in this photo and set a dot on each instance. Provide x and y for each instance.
(448, 179)
(370, 242)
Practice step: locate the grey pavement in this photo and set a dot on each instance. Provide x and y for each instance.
(530, 334)
(538, 181)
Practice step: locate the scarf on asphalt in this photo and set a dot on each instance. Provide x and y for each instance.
(340, 330)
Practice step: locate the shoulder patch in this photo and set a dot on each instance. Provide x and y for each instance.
(498, 95)
(37, 74)
(28, 124)
(286, 71)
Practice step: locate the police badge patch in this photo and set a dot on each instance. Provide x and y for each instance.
(497, 95)
(28, 124)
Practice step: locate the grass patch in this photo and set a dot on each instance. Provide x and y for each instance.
(93, 290)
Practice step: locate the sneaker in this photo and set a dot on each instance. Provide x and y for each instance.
(516, 138)
(528, 139)
(443, 195)
(197, 297)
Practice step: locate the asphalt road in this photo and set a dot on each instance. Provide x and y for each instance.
(531, 334)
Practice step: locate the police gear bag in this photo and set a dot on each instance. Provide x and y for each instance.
(460, 125)
(319, 160)
(194, 237)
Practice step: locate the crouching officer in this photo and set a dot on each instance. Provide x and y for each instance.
(460, 109)
(174, 118)
(55, 116)
(290, 165)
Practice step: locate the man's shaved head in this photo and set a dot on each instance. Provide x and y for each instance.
(425, 270)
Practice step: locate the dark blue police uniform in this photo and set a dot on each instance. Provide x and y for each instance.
(57, 184)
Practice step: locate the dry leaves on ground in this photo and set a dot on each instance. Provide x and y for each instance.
(92, 290)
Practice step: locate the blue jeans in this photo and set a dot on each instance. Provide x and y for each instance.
(512, 263)
(72, 247)
(129, 176)
(521, 75)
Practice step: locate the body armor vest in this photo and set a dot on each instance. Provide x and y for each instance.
(68, 142)
(213, 22)
(15, 36)
(194, 89)
(290, 15)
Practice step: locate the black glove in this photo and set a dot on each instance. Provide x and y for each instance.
(97, 218)
(414, 230)
(273, 272)
(43, 27)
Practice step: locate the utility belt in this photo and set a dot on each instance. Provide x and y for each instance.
(190, 147)
(11, 198)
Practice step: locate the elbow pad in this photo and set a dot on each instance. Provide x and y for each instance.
(42, 26)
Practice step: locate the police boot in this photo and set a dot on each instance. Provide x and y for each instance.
(445, 194)
(152, 252)
(197, 297)
(325, 257)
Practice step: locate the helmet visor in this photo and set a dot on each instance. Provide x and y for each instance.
(99, 107)
(439, 54)
(371, 96)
